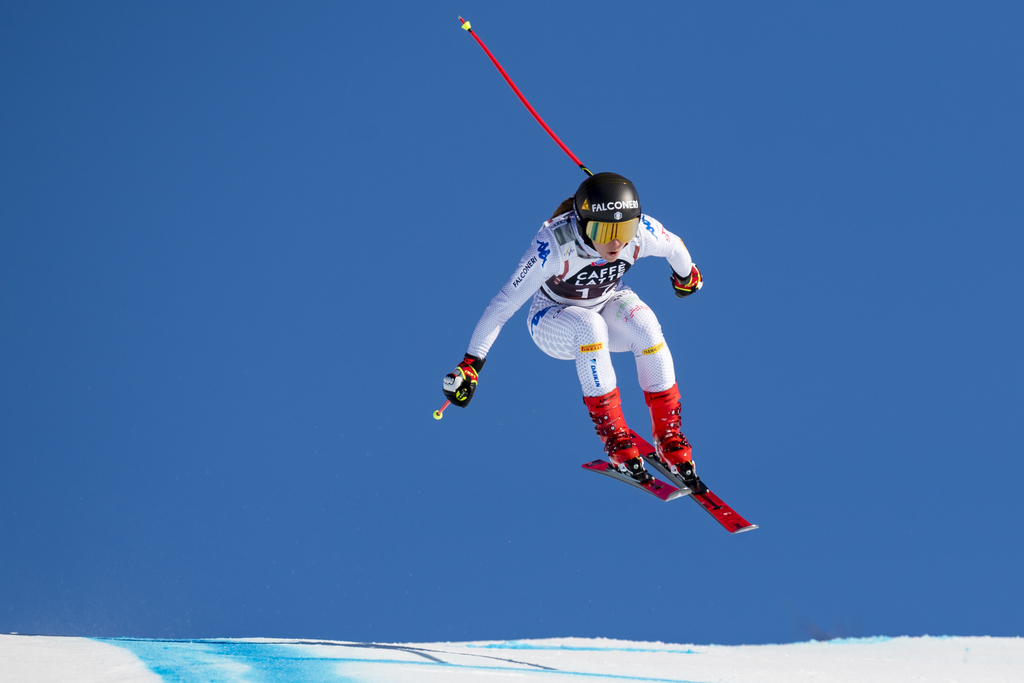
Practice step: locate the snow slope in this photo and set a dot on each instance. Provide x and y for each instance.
(35, 659)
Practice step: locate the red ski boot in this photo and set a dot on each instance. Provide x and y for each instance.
(606, 412)
(672, 446)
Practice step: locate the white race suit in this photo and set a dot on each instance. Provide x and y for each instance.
(581, 310)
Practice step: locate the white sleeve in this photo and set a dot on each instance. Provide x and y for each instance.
(540, 262)
(655, 240)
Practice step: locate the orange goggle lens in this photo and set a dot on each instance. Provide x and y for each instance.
(603, 233)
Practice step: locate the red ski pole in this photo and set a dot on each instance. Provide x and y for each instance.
(465, 25)
(439, 413)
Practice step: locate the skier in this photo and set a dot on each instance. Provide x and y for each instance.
(582, 311)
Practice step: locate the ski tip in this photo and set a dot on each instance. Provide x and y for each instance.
(746, 528)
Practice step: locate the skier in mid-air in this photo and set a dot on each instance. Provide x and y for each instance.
(582, 311)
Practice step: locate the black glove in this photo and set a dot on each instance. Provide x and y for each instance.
(459, 384)
(685, 286)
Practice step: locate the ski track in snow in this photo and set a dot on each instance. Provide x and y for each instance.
(46, 659)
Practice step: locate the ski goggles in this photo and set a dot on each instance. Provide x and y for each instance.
(603, 233)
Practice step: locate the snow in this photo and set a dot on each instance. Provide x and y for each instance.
(48, 659)
(35, 659)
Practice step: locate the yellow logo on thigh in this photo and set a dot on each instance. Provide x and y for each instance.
(654, 349)
(587, 348)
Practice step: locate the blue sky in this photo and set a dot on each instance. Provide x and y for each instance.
(240, 245)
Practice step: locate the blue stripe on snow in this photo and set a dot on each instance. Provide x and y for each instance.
(183, 661)
(857, 641)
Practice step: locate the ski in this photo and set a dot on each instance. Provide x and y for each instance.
(724, 514)
(712, 504)
(655, 487)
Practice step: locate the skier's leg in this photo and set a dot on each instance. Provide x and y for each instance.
(672, 445)
(632, 326)
(606, 413)
(580, 334)
(575, 333)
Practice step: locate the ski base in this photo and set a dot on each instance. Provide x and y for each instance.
(655, 487)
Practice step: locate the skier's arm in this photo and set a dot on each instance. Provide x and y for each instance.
(657, 241)
(540, 262)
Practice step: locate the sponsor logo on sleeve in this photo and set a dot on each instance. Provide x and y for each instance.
(649, 228)
(654, 349)
(522, 274)
(590, 348)
(543, 252)
(593, 371)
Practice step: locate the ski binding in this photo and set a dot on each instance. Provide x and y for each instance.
(712, 504)
(655, 487)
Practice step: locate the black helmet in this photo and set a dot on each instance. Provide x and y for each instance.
(606, 199)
